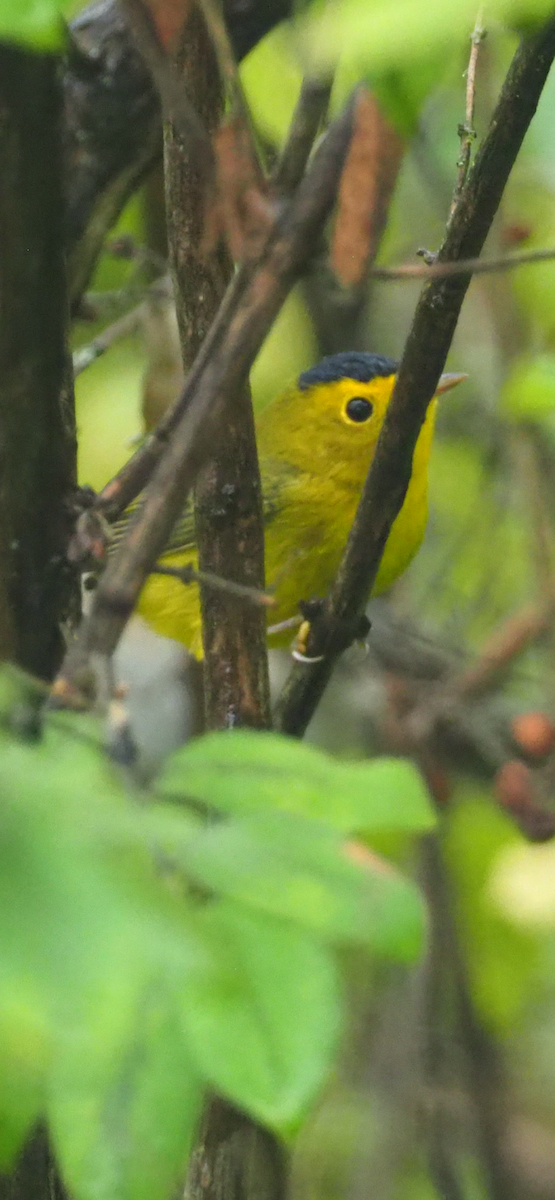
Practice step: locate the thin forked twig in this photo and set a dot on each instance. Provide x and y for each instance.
(467, 132)
(189, 574)
(86, 355)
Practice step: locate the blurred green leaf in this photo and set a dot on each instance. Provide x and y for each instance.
(246, 772)
(528, 393)
(35, 24)
(84, 918)
(25, 1048)
(299, 869)
(502, 960)
(381, 34)
(123, 1122)
(262, 1011)
(402, 93)
(271, 75)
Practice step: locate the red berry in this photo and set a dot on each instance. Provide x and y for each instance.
(534, 733)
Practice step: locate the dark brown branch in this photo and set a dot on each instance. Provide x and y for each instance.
(228, 496)
(423, 360)
(37, 430)
(309, 113)
(246, 1162)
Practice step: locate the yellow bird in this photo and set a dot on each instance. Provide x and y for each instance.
(316, 442)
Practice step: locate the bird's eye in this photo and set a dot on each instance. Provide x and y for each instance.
(359, 409)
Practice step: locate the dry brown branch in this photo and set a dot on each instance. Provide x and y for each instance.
(365, 192)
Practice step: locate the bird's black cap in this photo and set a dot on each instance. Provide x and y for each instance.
(349, 364)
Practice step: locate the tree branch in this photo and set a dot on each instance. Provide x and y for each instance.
(37, 429)
(423, 360)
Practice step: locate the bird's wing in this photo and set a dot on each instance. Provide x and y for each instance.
(182, 537)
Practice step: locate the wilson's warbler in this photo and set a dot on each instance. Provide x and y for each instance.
(316, 442)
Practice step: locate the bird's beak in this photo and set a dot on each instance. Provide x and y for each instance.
(448, 381)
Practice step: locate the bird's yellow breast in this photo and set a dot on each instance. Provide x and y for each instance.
(314, 459)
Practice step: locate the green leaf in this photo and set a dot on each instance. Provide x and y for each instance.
(25, 1047)
(244, 772)
(528, 393)
(262, 1011)
(123, 1122)
(298, 869)
(36, 24)
(85, 917)
(380, 34)
(401, 93)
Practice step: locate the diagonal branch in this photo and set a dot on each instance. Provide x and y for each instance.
(423, 360)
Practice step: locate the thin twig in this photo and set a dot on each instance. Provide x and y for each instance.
(423, 360)
(512, 638)
(189, 574)
(467, 132)
(123, 327)
(467, 266)
(309, 113)
(85, 355)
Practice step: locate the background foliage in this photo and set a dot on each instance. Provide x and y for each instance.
(205, 992)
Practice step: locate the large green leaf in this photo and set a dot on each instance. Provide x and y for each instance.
(25, 1049)
(123, 1123)
(84, 918)
(34, 23)
(243, 772)
(298, 869)
(381, 34)
(261, 1008)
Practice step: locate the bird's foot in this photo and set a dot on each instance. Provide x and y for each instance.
(344, 634)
